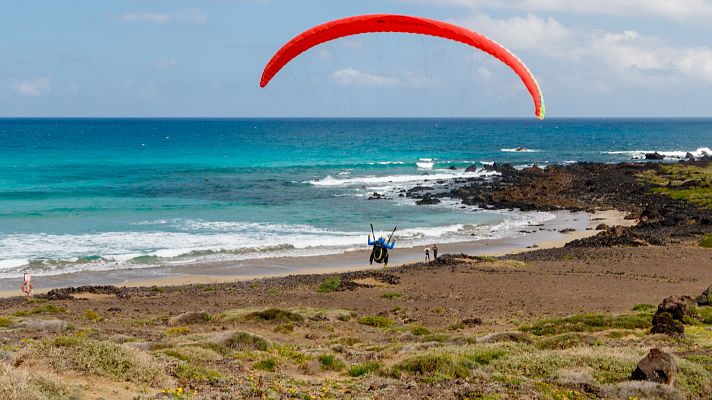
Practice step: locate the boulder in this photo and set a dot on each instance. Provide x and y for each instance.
(689, 156)
(677, 306)
(602, 227)
(665, 324)
(376, 196)
(654, 156)
(452, 168)
(471, 168)
(705, 299)
(657, 366)
(188, 318)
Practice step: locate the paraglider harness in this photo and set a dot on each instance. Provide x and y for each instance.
(379, 253)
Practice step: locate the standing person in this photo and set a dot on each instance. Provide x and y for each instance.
(427, 253)
(435, 252)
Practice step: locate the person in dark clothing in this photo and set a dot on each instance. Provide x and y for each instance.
(379, 253)
(435, 252)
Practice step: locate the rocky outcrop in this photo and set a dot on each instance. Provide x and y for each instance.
(428, 200)
(671, 314)
(657, 366)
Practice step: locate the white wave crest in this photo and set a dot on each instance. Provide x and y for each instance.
(674, 154)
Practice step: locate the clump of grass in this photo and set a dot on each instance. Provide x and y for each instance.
(706, 242)
(349, 341)
(357, 370)
(706, 315)
(275, 315)
(291, 353)
(488, 259)
(420, 331)
(158, 289)
(436, 338)
(92, 315)
(329, 362)
(192, 354)
(178, 331)
(285, 328)
(99, 357)
(5, 322)
(391, 295)
(330, 284)
(439, 310)
(590, 322)
(430, 367)
(266, 364)
(456, 326)
(483, 356)
(644, 308)
(567, 341)
(376, 320)
(242, 341)
(45, 308)
(16, 385)
(194, 374)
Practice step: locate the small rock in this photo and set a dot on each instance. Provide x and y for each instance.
(704, 298)
(654, 156)
(602, 227)
(115, 309)
(657, 366)
(472, 321)
(452, 168)
(188, 318)
(516, 337)
(567, 230)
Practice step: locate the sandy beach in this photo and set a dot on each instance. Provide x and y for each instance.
(577, 225)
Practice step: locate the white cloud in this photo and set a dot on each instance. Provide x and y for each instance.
(627, 53)
(165, 63)
(184, 16)
(353, 77)
(679, 10)
(33, 87)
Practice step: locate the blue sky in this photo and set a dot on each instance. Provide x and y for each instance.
(205, 58)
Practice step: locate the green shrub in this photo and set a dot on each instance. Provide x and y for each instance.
(178, 331)
(285, 328)
(483, 356)
(376, 320)
(330, 284)
(364, 369)
(5, 322)
(420, 331)
(706, 242)
(644, 308)
(590, 322)
(431, 367)
(266, 364)
(194, 374)
(391, 295)
(456, 326)
(436, 338)
(158, 289)
(330, 362)
(99, 357)
(276, 315)
(567, 341)
(242, 341)
(45, 308)
(92, 315)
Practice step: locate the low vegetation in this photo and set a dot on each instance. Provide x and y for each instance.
(706, 242)
(682, 182)
(590, 322)
(376, 320)
(330, 284)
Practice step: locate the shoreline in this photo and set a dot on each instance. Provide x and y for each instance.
(545, 236)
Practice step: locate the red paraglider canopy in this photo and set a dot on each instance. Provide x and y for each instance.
(401, 24)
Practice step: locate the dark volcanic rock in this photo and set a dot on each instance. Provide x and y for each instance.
(66, 293)
(376, 196)
(428, 200)
(602, 227)
(452, 168)
(705, 298)
(665, 324)
(654, 156)
(657, 366)
(471, 168)
(671, 313)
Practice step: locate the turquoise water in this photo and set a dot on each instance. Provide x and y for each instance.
(88, 194)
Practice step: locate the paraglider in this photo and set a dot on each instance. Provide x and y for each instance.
(401, 24)
(379, 251)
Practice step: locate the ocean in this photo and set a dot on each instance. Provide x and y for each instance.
(104, 194)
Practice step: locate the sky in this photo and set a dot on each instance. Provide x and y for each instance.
(180, 58)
